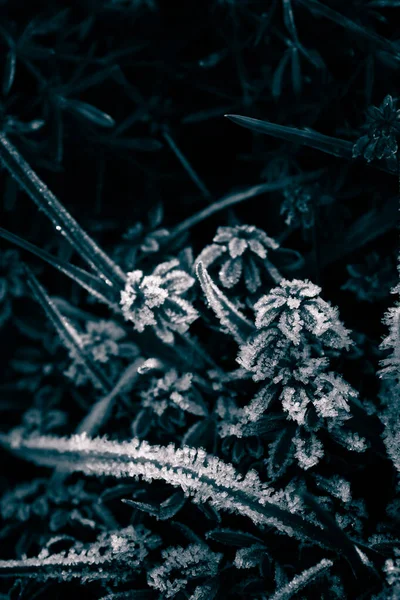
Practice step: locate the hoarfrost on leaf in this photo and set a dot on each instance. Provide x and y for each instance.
(155, 300)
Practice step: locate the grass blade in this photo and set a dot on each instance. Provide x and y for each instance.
(68, 334)
(86, 247)
(92, 284)
(324, 143)
(356, 29)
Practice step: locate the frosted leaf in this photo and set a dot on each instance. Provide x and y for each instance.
(240, 253)
(112, 556)
(182, 565)
(309, 450)
(154, 301)
(297, 310)
(300, 581)
(391, 364)
(336, 486)
(173, 391)
(230, 273)
(205, 478)
(350, 440)
(263, 353)
(230, 317)
(237, 246)
(247, 558)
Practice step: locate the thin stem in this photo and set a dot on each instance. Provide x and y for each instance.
(237, 197)
(186, 165)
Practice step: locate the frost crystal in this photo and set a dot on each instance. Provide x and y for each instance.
(240, 252)
(180, 566)
(155, 300)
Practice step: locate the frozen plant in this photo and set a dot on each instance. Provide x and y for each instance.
(241, 254)
(156, 301)
(180, 566)
(103, 341)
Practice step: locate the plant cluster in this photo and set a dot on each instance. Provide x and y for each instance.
(187, 412)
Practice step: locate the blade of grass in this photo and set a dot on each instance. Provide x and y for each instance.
(68, 334)
(92, 284)
(186, 165)
(358, 30)
(236, 197)
(325, 143)
(86, 247)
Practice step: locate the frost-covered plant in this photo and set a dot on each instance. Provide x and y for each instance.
(166, 400)
(241, 254)
(103, 341)
(182, 565)
(292, 314)
(155, 300)
(112, 557)
(390, 374)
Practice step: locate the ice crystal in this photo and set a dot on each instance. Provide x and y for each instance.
(240, 252)
(180, 566)
(155, 300)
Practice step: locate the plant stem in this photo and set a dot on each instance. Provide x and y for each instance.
(186, 165)
(236, 197)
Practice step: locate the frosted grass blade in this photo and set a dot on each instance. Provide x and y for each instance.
(231, 318)
(92, 284)
(86, 247)
(68, 334)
